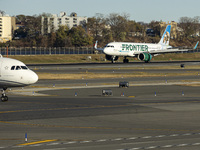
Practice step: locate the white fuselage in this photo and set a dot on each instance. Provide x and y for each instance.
(131, 49)
(14, 73)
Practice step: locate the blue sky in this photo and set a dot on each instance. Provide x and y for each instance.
(139, 10)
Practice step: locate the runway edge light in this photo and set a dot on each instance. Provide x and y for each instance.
(183, 93)
(26, 137)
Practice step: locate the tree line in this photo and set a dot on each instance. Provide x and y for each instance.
(114, 27)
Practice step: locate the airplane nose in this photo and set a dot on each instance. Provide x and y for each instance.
(34, 78)
(105, 51)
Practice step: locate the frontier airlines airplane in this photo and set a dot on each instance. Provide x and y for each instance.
(143, 51)
(14, 73)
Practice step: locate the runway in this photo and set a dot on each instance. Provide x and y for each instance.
(150, 114)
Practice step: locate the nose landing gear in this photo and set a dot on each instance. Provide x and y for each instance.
(4, 98)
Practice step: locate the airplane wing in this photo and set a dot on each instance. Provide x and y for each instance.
(161, 51)
(172, 50)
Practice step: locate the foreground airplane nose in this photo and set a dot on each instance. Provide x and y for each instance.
(33, 78)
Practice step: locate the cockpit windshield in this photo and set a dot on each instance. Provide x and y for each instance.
(109, 46)
(19, 68)
(24, 67)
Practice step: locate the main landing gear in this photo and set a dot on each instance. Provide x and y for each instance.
(4, 98)
(125, 60)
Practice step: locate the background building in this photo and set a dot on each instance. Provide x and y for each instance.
(7, 27)
(52, 23)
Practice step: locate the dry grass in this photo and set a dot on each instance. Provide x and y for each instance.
(82, 58)
(57, 59)
(106, 75)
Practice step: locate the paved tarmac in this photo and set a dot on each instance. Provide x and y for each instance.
(150, 114)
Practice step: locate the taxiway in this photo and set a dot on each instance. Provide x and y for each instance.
(150, 114)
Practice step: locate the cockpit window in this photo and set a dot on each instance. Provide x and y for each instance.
(110, 46)
(24, 67)
(13, 68)
(18, 68)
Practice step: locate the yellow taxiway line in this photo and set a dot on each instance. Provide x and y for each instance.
(38, 142)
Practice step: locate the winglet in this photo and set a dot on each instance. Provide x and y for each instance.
(95, 45)
(196, 45)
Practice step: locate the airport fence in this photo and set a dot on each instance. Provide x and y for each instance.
(45, 51)
(55, 50)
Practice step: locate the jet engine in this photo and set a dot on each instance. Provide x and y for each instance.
(112, 58)
(145, 57)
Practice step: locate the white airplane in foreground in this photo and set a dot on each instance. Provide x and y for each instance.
(14, 73)
(144, 51)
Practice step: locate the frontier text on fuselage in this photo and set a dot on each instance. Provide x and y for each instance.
(130, 47)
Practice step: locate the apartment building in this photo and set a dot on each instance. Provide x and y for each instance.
(52, 23)
(7, 27)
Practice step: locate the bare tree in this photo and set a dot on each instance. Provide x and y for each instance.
(118, 25)
(188, 25)
(96, 25)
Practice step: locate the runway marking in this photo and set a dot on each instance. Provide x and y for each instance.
(102, 140)
(147, 137)
(117, 139)
(38, 142)
(174, 135)
(85, 141)
(167, 146)
(72, 142)
(152, 147)
(132, 138)
(42, 143)
(195, 144)
(160, 136)
(53, 144)
(180, 145)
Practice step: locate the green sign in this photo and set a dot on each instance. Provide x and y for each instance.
(130, 47)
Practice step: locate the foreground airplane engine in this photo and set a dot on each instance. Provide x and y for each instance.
(145, 57)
